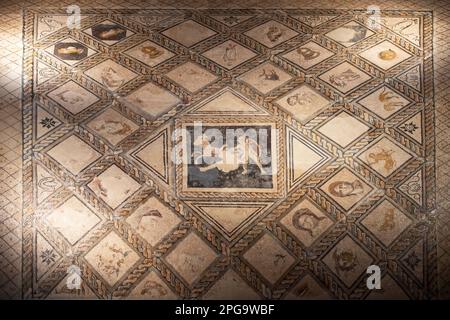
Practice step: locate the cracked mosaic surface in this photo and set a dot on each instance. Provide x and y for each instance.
(335, 198)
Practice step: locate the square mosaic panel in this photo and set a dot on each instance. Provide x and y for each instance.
(338, 176)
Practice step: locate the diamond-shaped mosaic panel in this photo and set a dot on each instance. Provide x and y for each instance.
(73, 219)
(74, 154)
(350, 33)
(112, 126)
(113, 186)
(191, 76)
(303, 102)
(348, 260)
(112, 258)
(149, 53)
(346, 188)
(189, 32)
(271, 33)
(229, 54)
(191, 257)
(345, 77)
(386, 222)
(110, 74)
(384, 102)
(73, 97)
(269, 258)
(308, 55)
(152, 220)
(343, 129)
(385, 55)
(306, 222)
(385, 156)
(151, 100)
(266, 77)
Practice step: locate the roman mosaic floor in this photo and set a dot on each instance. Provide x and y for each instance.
(118, 180)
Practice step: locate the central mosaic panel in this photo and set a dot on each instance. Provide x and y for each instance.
(230, 158)
(228, 154)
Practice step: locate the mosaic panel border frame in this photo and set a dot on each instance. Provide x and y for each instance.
(28, 96)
